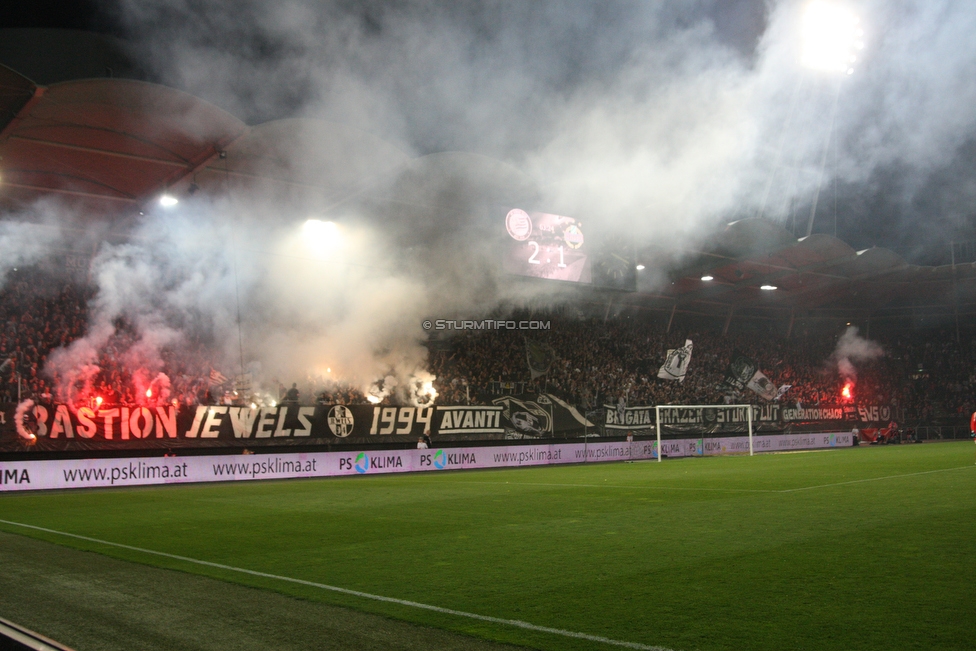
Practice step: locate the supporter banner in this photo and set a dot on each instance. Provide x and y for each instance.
(761, 385)
(632, 419)
(93, 473)
(51, 427)
(539, 356)
(675, 366)
(56, 427)
(739, 372)
(540, 415)
(718, 419)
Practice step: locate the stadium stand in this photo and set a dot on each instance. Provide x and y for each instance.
(926, 373)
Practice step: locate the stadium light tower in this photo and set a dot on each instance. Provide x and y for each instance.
(320, 237)
(831, 37)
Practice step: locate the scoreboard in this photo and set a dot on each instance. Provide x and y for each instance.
(555, 247)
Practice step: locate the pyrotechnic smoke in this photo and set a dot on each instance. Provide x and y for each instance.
(853, 349)
(29, 236)
(653, 119)
(642, 119)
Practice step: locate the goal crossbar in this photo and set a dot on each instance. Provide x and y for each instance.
(657, 423)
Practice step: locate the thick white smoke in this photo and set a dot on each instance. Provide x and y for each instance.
(29, 237)
(638, 118)
(851, 350)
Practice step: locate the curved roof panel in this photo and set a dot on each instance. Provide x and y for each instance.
(323, 160)
(109, 141)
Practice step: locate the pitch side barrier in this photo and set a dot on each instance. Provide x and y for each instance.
(93, 473)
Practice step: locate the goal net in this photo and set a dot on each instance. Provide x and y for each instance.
(703, 430)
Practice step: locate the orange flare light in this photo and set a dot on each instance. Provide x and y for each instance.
(847, 393)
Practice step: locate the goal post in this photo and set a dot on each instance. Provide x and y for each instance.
(716, 408)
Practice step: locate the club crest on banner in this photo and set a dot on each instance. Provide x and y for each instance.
(341, 421)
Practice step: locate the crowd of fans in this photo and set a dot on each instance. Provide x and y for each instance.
(924, 375)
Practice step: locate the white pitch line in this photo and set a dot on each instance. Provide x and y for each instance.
(861, 481)
(356, 593)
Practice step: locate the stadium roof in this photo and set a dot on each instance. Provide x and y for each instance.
(113, 145)
(819, 273)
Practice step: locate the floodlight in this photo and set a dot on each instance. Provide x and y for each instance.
(320, 236)
(831, 35)
(168, 201)
(768, 288)
(707, 278)
(640, 267)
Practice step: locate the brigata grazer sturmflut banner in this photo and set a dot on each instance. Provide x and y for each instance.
(676, 420)
(93, 473)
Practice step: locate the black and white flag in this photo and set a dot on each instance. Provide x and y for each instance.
(762, 386)
(676, 364)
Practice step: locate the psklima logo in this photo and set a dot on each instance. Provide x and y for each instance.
(440, 460)
(362, 463)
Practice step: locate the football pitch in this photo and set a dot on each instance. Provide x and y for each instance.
(864, 548)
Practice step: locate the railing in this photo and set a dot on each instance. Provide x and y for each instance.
(497, 388)
(17, 638)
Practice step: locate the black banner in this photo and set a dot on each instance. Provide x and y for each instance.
(540, 416)
(765, 418)
(56, 427)
(740, 370)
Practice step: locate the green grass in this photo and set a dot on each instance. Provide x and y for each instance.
(868, 548)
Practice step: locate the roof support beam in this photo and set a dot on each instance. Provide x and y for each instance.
(103, 152)
(72, 193)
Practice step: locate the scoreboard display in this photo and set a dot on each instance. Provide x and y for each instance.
(542, 245)
(555, 247)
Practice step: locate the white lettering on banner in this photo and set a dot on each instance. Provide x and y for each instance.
(265, 420)
(280, 428)
(166, 422)
(211, 427)
(241, 421)
(633, 418)
(400, 420)
(471, 420)
(303, 414)
(86, 473)
(62, 423)
(197, 420)
(86, 423)
(108, 417)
